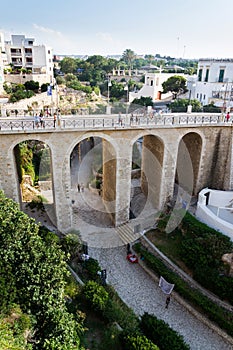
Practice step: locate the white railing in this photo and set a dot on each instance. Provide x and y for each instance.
(112, 121)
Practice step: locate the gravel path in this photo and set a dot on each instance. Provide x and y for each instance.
(142, 294)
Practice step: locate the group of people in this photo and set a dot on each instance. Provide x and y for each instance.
(40, 120)
(80, 187)
(131, 257)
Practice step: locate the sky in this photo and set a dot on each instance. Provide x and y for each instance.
(179, 28)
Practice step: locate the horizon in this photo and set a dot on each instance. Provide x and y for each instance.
(179, 30)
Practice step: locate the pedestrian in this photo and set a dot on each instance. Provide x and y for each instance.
(228, 116)
(54, 119)
(58, 119)
(131, 118)
(42, 122)
(78, 186)
(168, 301)
(120, 119)
(37, 121)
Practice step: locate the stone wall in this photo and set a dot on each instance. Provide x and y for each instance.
(213, 164)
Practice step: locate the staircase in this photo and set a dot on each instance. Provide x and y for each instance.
(126, 233)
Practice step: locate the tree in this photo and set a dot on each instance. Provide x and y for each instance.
(68, 65)
(181, 105)
(39, 271)
(32, 85)
(129, 56)
(143, 101)
(176, 84)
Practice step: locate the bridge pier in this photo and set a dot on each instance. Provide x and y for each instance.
(9, 182)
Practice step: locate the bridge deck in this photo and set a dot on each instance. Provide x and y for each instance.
(101, 122)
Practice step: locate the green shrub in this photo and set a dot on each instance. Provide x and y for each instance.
(161, 334)
(137, 342)
(71, 244)
(92, 267)
(96, 295)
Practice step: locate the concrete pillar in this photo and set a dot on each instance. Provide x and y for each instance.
(61, 183)
(168, 172)
(109, 178)
(117, 180)
(123, 181)
(152, 166)
(8, 173)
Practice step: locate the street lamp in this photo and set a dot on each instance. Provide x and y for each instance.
(189, 110)
(109, 85)
(108, 111)
(126, 88)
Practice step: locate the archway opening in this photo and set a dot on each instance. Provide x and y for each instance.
(34, 171)
(187, 167)
(146, 175)
(93, 182)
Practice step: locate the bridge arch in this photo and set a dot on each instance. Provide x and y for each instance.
(150, 156)
(34, 149)
(93, 163)
(189, 155)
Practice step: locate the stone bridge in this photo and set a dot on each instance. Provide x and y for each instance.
(191, 150)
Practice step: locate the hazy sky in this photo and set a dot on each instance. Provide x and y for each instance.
(179, 28)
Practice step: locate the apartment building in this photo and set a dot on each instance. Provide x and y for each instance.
(37, 60)
(214, 82)
(1, 62)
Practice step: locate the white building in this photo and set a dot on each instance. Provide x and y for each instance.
(37, 60)
(214, 82)
(153, 86)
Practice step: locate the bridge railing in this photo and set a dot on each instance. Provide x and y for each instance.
(109, 122)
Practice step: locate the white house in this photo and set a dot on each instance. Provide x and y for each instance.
(153, 86)
(214, 82)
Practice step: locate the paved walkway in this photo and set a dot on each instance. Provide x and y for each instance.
(136, 288)
(142, 294)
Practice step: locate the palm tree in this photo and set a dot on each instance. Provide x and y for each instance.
(129, 56)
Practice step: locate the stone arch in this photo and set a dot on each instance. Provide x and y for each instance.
(188, 162)
(149, 174)
(93, 179)
(38, 189)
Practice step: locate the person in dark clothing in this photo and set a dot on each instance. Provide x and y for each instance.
(168, 301)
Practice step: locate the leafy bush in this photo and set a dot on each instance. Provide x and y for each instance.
(71, 244)
(161, 334)
(96, 295)
(39, 271)
(92, 267)
(137, 341)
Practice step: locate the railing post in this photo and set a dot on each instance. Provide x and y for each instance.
(22, 125)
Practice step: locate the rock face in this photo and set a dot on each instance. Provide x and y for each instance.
(228, 259)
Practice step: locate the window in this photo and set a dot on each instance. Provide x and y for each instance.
(221, 75)
(49, 52)
(197, 96)
(207, 74)
(151, 83)
(200, 75)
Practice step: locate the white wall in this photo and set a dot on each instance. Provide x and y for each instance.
(219, 199)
